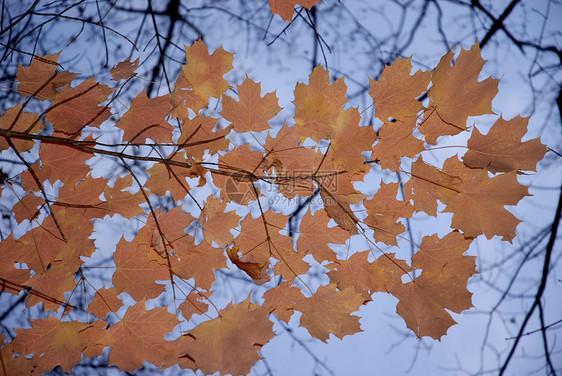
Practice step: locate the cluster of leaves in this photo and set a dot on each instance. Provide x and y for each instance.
(322, 155)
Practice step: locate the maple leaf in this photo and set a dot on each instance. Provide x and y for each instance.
(501, 150)
(62, 163)
(40, 78)
(195, 303)
(117, 200)
(260, 239)
(384, 210)
(457, 94)
(382, 275)
(396, 90)
(134, 274)
(104, 302)
(143, 328)
(217, 224)
(318, 105)
(204, 72)
(328, 312)
(229, 343)
(285, 8)
(146, 119)
(16, 120)
(282, 299)
(124, 69)
(396, 141)
(442, 285)
(315, 235)
(10, 251)
(74, 108)
(163, 179)
(27, 207)
(285, 154)
(11, 365)
(197, 261)
(52, 342)
(348, 135)
(476, 200)
(252, 112)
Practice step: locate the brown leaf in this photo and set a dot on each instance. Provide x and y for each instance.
(501, 150)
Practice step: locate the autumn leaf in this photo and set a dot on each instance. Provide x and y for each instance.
(315, 235)
(16, 120)
(124, 69)
(260, 239)
(197, 261)
(282, 300)
(384, 210)
(501, 150)
(134, 274)
(285, 8)
(62, 163)
(328, 312)
(318, 105)
(348, 135)
(232, 338)
(104, 302)
(143, 328)
(252, 112)
(382, 275)
(41, 79)
(146, 119)
(53, 342)
(457, 94)
(396, 90)
(195, 304)
(476, 200)
(74, 108)
(442, 285)
(217, 224)
(396, 141)
(204, 72)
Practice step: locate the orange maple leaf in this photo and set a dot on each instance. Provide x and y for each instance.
(53, 342)
(134, 274)
(104, 302)
(328, 312)
(384, 210)
(476, 200)
(217, 224)
(285, 8)
(40, 78)
(501, 149)
(204, 72)
(16, 120)
(318, 105)
(230, 342)
(124, 69)
(315, 235)
(396, 141)
(62, 163)
(396, 90)
(143, 328)
(252, 112)
(457, 94)
(146, 119)
(260, 239)
(74, 108)
(445, 271)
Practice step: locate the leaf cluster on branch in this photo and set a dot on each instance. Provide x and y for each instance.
(185, 137)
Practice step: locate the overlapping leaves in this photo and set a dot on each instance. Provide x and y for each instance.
(50, 261)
